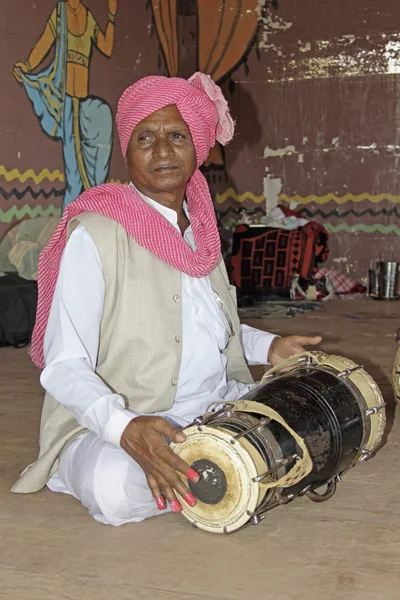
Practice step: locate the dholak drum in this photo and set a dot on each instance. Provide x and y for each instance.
(308, 422)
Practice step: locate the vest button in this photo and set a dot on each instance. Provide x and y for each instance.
(178, 339)
(174, 381)
(176, 298)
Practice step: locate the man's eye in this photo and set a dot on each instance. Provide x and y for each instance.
(144, 138)
(177, 136)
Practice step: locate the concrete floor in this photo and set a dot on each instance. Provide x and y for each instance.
(347, 548)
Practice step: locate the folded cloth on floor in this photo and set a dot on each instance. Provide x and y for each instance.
(341, 283)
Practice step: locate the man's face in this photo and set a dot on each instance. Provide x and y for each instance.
(161, 156)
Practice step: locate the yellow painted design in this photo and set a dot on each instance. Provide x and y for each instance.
(230, 194)
(112, 180)
(27, 211)
(339, 199)
(44, 174)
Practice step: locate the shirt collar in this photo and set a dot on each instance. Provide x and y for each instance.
(168, 213)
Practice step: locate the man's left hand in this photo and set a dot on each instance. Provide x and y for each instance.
(283, 348)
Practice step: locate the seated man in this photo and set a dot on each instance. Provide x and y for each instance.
(137, 328)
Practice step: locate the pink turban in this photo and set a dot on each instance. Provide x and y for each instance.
(199, 100)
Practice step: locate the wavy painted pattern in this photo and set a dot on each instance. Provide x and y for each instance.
(339, 199)
(19, 194)
(336, 213)
(27, 211)
(230, 194)
(376, 227)
(44, 174)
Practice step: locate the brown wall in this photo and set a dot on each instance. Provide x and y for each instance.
(318, 116)
(325, 98)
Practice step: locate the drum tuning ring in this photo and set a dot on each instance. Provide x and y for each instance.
(210, 415)
(308, 360)
(365, 455)
(374, 410)
(260, 424)
(327, 495)
(344, 374)
(281, 462)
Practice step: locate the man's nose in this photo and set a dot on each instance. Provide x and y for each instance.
(163, 147)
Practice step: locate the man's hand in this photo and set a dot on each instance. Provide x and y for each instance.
(144, 440)
(283, 348)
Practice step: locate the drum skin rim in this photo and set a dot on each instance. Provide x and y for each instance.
(370, 394)
(244, 457)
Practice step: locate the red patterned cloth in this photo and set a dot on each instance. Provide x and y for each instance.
(206, 113)
(266, 258)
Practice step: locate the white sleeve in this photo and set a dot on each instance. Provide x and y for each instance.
(255, 344)
(72, 340)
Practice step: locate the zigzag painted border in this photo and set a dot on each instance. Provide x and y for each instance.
(26, 211)
(230, 194)
(376, 227)
(391, 212)
(30, 174)
(28, 190)
(339, 199)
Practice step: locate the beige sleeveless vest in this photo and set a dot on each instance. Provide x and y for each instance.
(140, 339)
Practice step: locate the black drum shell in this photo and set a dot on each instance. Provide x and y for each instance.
(324, 410)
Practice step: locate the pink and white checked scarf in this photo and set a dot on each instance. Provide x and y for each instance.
(205, 110)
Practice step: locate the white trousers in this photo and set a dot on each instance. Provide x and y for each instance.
(106, 480)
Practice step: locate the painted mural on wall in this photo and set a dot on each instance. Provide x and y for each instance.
(60, 95)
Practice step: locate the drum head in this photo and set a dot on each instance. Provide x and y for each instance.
(370, 397)
(225, 493)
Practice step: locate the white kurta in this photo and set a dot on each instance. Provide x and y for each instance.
(94, 468)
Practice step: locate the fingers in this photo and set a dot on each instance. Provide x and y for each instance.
(166, 481)
(158, 482)
(170, 469)
(192, 475)
(144, 439)
(301, 340)
(155, 490)
(164, 428)
(168, 492)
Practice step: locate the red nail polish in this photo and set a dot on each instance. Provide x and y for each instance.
(176, 506)
(160, 503)
(190, 499)
(192, 475)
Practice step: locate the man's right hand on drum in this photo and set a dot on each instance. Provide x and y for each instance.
(144, 440)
